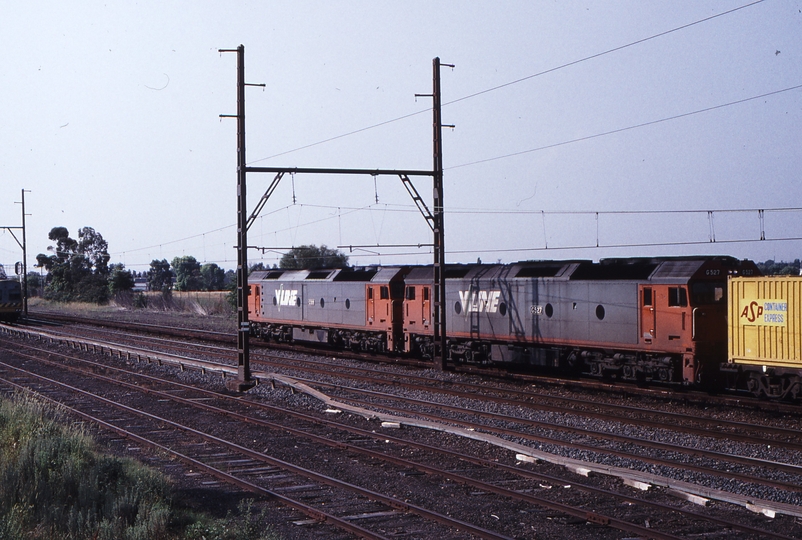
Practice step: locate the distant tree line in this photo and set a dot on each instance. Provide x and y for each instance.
(780, 268)
(313, 257)
(79, 270)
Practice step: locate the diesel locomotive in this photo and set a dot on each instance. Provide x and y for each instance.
(10, 300)
(637, 319)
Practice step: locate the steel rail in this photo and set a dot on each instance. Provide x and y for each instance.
(581, 431)
(741, 460)
(217, 473)
(379, 455)
(622, 387)
(543, 405)
(308, 473)
(400, 461)
(736, 428)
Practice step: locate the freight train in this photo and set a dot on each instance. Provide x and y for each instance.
(637, 319)
(10, 300)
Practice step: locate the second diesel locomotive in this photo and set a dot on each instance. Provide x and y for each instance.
(10, 300)
(643, 319)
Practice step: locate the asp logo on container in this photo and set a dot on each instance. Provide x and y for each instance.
(479, 301)
(763, 312)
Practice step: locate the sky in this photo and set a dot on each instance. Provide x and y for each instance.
(582, 129)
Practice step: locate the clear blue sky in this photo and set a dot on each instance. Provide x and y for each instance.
(110, 117)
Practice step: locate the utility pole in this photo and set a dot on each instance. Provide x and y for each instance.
(24, 261)
(23, 245)
(440, 339)
(244, 380)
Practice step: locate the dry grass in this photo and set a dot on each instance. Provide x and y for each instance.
(55, 484)
(197, 302)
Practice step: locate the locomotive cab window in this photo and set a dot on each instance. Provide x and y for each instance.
(370, 293)
(677, 297)
(647, 297)
(410, 293)
(426, 293)
(385, 292)
(707, 293)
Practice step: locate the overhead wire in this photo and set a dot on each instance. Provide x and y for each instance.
(411, 209)
(511, 83)
(514, 82)
(603, 53)
(621, 130)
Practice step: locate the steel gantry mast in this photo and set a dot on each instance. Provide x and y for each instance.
(440, 340)
(435, 219)
(244, 379)
(22, 269)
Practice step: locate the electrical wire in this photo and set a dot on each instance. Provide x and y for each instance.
(514, 82)
(410, 209)
(603, 53)
(628, 128)
(634, 245)
(473, 211)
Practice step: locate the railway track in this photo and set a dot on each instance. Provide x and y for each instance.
(473, 392)
(619, 388)
(249, 462)
(336, 502)
(787, 435)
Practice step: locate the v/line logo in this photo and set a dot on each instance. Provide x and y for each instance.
(479, 301)
(288, 297)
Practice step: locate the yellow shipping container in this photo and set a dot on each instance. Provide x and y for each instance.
(765, 321)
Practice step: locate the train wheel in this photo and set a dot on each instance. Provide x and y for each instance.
(754, 386)
(793, 388)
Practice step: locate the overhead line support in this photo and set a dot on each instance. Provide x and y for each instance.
(244, 379)
(434, 219)
(24, 246)
(439, 319)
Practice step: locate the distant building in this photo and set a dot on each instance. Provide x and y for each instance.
(140, 284)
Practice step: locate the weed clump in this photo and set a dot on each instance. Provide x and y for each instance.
(54, 484)
(53, 481)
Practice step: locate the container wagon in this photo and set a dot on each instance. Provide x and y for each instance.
(765, 335)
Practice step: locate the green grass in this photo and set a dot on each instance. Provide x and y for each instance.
(54, 484)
